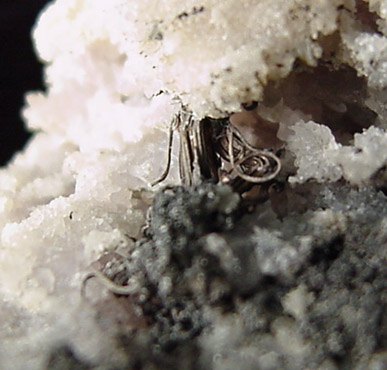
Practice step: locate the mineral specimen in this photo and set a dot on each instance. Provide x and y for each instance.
(289, 274)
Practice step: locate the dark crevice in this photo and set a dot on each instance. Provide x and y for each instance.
(332, 97)
(368, 19)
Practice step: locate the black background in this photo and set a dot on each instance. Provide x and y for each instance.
(19, 70)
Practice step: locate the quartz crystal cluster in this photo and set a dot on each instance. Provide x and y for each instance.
(295, 279)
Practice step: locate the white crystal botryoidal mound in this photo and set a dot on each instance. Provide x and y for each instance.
(321, 158)
(117, 72)
(213, 55)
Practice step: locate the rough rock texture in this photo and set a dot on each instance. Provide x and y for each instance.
(290, 275)
(233, 292)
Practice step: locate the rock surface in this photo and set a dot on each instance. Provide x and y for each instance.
(296, 280)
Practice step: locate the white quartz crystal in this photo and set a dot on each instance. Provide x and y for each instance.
(116, 73)
(320, 157)
(313, 145)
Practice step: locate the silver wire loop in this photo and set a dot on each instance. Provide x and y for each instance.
(215, 149)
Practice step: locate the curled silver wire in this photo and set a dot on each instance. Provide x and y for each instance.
(251, 164)
(174, 124)
(107, 283)
(209, 146)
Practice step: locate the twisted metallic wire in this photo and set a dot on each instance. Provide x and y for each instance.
(247, 162)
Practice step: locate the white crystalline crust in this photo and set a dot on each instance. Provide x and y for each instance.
(214, 54)
(81, 187)
(319, 157)
(61, 210)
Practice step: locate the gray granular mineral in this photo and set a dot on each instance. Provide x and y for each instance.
(216, 291)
